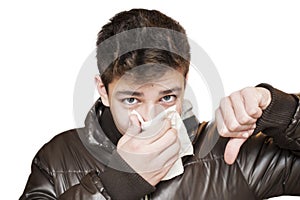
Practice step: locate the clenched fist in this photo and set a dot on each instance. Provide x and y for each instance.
(237, 115)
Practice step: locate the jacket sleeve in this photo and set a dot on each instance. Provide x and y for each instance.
(270, 160)
(40, 185)
(281, 120)
(90, 187)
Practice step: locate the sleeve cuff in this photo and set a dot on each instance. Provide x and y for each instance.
(122, 182)
(278, 115)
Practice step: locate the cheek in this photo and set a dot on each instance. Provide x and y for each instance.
(120, 116)
(179, 105)
(178, 108)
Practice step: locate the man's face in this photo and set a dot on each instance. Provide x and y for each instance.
(148, 98)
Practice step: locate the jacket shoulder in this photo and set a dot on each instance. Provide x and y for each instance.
(64, 152)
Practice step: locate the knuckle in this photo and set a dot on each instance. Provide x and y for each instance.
(217, 112)
(245, 90)
(121, 141)
(135, 146)
(226, 105)
(222, 131)
(177, 146)
(243, 119)
(174, 131)
(234, 95)
(232, 126)
(253, 111)
(167, 123)
(224, 102)
(172, 135)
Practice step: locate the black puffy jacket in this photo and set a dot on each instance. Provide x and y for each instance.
(73, 165)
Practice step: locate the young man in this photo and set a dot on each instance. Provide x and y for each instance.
(143, 71)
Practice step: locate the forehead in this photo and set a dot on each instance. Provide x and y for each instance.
(165, 80)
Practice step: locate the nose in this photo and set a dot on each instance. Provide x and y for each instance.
(149, 111)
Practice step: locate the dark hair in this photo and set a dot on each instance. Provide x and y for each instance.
(168, 49)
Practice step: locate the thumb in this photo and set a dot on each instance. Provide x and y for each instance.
(232, 149)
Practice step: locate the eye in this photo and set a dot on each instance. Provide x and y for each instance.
(130, 101)
(168, 98)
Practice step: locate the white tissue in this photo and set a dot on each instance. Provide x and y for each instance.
(177, 123)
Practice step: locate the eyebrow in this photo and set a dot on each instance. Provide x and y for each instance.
(129, 93)
(139, 94)
(176, 89)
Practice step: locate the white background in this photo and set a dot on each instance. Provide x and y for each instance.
(44, 43)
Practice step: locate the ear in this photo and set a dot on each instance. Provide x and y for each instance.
(102, 91)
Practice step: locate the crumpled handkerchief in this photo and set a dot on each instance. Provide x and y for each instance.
(177, 123)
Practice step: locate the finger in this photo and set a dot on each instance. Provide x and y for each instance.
(170, 153)
(155, 132)
(134, 126)
(167, 139)
(251, 101)
(232, 149)
(161, 157)
(133, 129)
(229, 118)
(240, 112)
(171, 161)
(163, 145)
(161, 173)
(265, 99)
(224, 132)
(220, 123)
